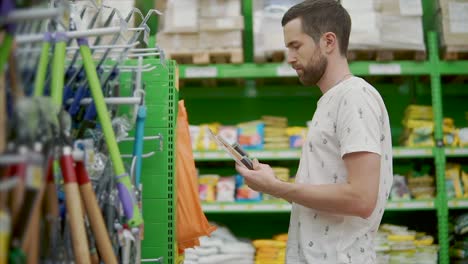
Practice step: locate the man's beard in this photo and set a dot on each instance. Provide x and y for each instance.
(314, 70)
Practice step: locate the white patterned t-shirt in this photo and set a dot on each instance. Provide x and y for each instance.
(350, 117)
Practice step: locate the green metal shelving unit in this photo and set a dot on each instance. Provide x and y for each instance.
(158, 170)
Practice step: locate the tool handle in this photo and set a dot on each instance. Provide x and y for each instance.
(51, 203)
(126, 194)
(94, 215)
(31, 243)
(42, 68)
(17, 194)
(5, 50)
(58, 69)
(138, 144)
(5, 232)
(75, 105)
(75, 213)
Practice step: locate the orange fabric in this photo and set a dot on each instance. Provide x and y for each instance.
(191, 221)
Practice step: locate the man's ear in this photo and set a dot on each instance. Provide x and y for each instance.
(330, 42)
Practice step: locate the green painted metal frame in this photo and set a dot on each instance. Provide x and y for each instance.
(158, 174)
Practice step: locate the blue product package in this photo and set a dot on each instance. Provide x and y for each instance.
(251, 135)
(244, 192)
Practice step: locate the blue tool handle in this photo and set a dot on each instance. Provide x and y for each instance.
(75, 105)
(138, 144)
(90, 113)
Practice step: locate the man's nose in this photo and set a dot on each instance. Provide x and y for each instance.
(291, 57)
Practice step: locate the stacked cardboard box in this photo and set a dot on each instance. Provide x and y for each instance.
(365, 32)
(194, 26)
(385, 24)
(453, 24)
(401, 25)
(268, 33)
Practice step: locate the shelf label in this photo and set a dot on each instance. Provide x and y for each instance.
(285, 70)
(201, 72)
(458, 203)
(412, 152)
(457, 151)
(389, 69)
(410, 204)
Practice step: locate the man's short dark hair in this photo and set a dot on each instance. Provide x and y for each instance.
(321, 16)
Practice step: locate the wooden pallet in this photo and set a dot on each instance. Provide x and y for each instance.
(234, 56)
(455, 52)
(386, 55)
(271, 56)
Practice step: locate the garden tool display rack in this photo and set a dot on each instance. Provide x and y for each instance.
(88, 112)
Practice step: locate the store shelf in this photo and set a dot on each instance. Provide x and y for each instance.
(271, 70)
(456, 152)
(246, 207)
(287, 154)
(410, 205)
(453, 67)
(294, 154)
(277, 207)
(458, 203)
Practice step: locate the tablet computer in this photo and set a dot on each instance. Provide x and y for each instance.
(234, 150)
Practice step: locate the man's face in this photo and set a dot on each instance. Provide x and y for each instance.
(303, 54)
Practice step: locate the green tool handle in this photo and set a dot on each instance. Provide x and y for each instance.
(58, 69)
(41, 71)
(5, 50)
(126, 194)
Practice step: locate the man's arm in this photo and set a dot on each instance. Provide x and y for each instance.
(357, 197)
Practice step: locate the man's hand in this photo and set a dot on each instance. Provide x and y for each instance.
(261, 178)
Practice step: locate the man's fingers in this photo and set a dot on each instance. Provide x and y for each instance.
(256, 164)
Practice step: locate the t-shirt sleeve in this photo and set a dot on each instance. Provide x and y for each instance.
(359, 126)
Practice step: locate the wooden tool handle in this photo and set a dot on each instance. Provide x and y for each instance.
(51, 203)
(77, 228)
(94, 215)
(31, 243)
(75, 213)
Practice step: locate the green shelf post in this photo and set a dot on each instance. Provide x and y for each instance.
(439, 153)
(247, 12)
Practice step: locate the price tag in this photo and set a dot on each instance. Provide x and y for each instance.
(201, 72)
(414, 152)
(285, 70)
(385, 69)
(461, 151)
(289, 154)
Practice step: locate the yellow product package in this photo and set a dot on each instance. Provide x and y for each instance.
(297, 136)
(463, 137)
(269, 243)
(464, 176)
(452, 180)
(204, 140)
(207, 187)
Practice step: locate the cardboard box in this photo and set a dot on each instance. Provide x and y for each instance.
(173, 42)
(181, 16)
(220, 8)
(402, 32)
(454, 9)
(268, 33)
(222, 23)
(365, 31)
(452, 23)
(401, 7)
(360, 5)
(221, 39)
